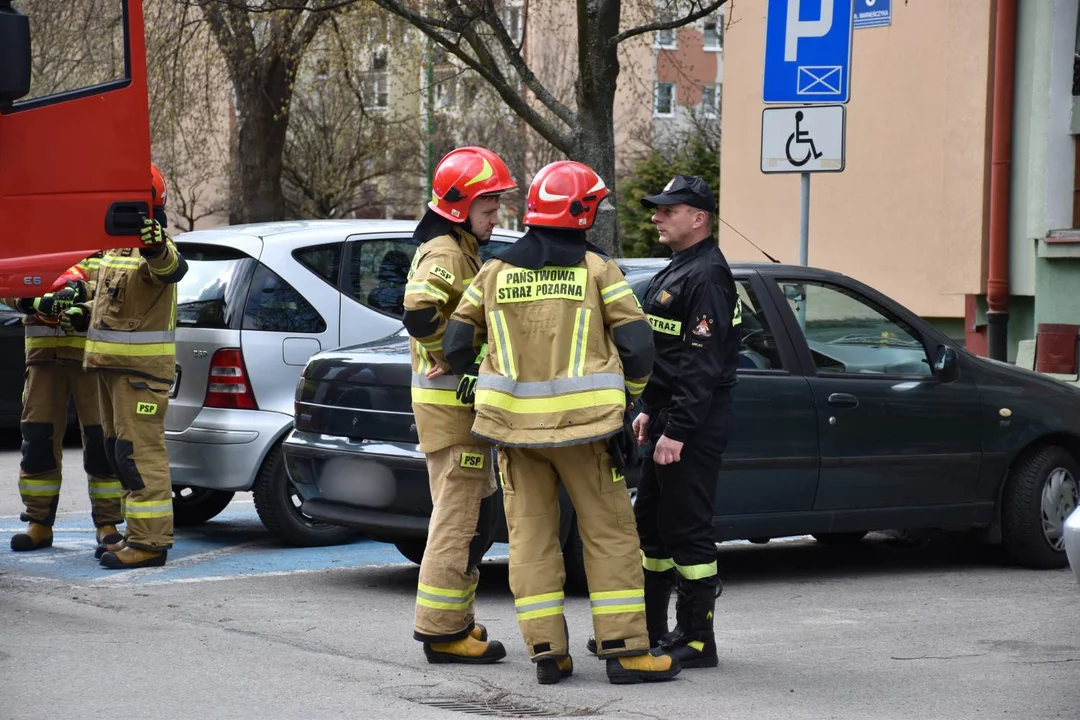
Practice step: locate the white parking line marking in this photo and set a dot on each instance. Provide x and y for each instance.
(181, 562)
(272, 573)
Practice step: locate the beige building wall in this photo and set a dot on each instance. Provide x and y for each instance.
(907, 214)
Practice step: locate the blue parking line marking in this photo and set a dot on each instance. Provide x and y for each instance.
(233, 545)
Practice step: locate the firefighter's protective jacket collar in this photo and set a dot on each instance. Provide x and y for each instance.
(540, 247)
(433, 225)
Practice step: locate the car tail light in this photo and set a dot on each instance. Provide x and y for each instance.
(228, 386)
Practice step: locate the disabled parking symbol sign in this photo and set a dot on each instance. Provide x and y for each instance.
(809, 138)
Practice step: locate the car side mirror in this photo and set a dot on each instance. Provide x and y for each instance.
(14, 54)
(946, 367)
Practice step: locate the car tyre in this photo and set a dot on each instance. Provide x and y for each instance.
(412, 548)
(1040, 487)
(839, 538)
(195, 505)
(278, 505)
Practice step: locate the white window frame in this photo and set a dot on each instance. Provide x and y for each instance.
(714, 109)
(374, 82)
(656, 100)
(719, 46)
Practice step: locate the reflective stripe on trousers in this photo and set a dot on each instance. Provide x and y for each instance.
(49, 487)
(106, 489)
(617, 601)
(537, 606)
(445, 598)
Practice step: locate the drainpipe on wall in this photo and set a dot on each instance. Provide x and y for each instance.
(997, 281)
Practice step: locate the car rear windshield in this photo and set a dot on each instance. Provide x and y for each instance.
(212, 293)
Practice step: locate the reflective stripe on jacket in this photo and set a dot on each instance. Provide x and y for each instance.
(134, 313)
(552, 374)
(441, 270)
(45, 341)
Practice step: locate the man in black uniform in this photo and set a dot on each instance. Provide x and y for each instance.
(693, 308)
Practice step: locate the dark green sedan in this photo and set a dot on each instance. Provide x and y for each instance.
(852, 414)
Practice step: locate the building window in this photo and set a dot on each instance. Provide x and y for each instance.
(665, 39)
(445, 87)
(664, 100)
(511, 17)
(376, 90)
(713, 33)
(378, 59)
(710, 99)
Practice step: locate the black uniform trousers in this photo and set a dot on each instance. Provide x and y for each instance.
(674, 506)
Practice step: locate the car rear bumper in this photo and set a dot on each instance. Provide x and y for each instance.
(378, 487)
(1072, 542)
(223, 449)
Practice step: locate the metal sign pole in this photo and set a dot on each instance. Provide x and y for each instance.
(804, 221)
(804, 241)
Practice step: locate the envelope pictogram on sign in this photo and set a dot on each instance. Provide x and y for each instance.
(819, 80)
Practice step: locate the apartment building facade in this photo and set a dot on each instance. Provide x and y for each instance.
(911, 212)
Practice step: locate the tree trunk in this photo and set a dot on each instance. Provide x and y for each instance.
(595, 146)
(594, 137)
(261, 126)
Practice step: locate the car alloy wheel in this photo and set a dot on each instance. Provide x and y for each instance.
(1059, 499)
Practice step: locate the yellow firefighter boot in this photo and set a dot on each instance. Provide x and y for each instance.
(108, 535)
(650, 667)
(479, 632)
(129, 558)
(551, 670)
(467, 650)
(37, 536)
(110, 547)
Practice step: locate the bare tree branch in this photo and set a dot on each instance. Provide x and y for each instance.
(510, 95)
(517, 62)
(678, 22)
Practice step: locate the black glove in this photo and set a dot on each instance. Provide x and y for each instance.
(75, 319)
(466, 388)
(78, 287)
(56, 303)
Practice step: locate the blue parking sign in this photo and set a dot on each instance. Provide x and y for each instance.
(808, 51)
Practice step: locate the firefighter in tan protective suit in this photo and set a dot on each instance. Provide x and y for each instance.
(463, 211)
(131, 323)
(54, 375)
(568, 348)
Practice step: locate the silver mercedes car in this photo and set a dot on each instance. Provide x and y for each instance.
(257, 302)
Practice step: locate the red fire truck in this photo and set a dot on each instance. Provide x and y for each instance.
(74, 165)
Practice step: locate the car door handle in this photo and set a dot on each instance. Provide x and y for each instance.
(843, 400)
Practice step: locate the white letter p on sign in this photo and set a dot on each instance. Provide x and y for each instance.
(805, 28)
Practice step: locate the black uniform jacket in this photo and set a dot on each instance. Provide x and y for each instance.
(694, 310)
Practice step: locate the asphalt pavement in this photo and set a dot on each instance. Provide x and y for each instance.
(239, 626)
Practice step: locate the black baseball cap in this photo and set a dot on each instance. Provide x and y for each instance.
(684, 189)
